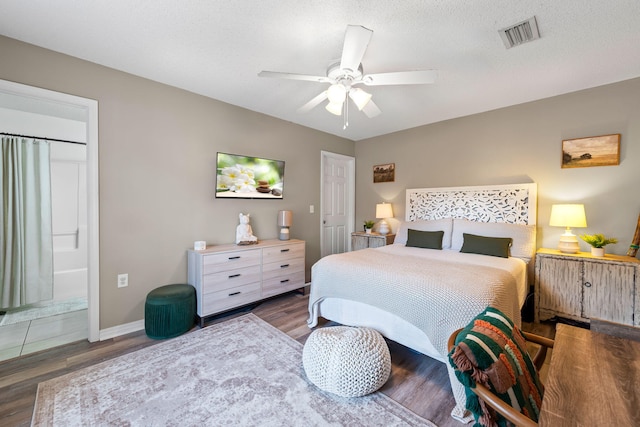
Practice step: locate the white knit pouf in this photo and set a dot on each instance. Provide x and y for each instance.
(347, 361)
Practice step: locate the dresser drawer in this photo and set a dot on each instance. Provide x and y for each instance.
(282, 283)
(214, 302)
(283, 252)
(276, 269)
(231, 278)
(230, 260)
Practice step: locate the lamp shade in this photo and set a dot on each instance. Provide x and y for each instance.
(359, 97)
(336, 93)
(571, 215)
(285, 218)
(334, 108)
(384, 210)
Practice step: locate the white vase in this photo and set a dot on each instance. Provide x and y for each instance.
(367, 230)
(599, 252)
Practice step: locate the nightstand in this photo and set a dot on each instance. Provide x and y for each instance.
(581, 287)
(362, 240)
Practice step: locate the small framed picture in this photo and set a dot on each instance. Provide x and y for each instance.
(591, 151)
(384, 173)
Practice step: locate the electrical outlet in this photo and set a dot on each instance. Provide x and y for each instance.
(123, 280)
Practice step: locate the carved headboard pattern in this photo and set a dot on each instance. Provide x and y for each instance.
(513, 203)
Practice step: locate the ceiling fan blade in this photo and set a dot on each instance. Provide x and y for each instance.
(371, 109)
(356, 40)
(292, 76)
(401, 78)
(313, 103)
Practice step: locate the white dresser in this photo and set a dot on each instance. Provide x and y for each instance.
(230, 276)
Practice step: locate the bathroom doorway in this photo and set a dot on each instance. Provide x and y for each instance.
(30, 111)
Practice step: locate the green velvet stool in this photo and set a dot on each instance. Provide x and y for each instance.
(169, 311)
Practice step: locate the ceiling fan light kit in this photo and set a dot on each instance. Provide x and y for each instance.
(334, 108)
(336, 93)
(347, 73)
(359, 97)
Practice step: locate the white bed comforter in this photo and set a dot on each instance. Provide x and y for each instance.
(436, 291)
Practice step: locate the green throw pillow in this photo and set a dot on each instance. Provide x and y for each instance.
(493, 246)
(491, 351)
(424, 239)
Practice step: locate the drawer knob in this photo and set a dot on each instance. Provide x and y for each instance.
(284, 266)
(234, 293)
(284, 250)
(234, 275)
(587, 284)
(284, 281)
(234, 257)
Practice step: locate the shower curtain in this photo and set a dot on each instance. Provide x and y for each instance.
(26, 242)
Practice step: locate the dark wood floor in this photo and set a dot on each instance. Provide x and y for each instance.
(417, 382)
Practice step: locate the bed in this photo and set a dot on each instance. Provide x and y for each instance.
(418, 296)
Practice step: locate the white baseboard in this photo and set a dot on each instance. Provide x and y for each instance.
(116, 331)
(128, 328)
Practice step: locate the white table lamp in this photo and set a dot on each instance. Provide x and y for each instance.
(571, 215)
(384, 211)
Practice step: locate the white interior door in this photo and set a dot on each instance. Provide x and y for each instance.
(338, 202)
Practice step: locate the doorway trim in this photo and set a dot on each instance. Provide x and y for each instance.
(351, 199)
(93, 213)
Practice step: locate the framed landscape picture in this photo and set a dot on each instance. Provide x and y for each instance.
(591, 151)
(384, 173)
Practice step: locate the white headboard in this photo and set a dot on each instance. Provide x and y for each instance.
(512, 203)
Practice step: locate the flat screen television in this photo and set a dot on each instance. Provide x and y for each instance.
(244, 177)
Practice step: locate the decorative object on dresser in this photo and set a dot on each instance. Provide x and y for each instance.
(360, 240)
(285, 219)
(598, 242)
(568, 215)
(635, 243)
(581, 287)
(241, 372)
(229, 276)
(244, 232)
(384, 211)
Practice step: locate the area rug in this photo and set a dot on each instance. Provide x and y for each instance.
(242, 372)
(23, 314)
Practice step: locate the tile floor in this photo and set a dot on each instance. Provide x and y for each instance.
(39, 334)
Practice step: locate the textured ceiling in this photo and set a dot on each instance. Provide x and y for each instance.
(216, 48)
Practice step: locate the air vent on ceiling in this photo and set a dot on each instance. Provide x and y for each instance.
(519, 33)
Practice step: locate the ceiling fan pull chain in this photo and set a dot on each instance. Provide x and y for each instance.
(346, 113)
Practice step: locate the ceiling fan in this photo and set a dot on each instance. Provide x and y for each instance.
(344, 77)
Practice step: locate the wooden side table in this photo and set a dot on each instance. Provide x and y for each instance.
(581, 287)
(362, 240)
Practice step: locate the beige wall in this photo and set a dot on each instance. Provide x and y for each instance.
(520, 144)
(157, 170)
(157, 157)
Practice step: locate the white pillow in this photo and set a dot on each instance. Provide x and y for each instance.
(524, 236)
(445, 225)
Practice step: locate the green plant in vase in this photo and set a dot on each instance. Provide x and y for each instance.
(598, 242)
(368, 225)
